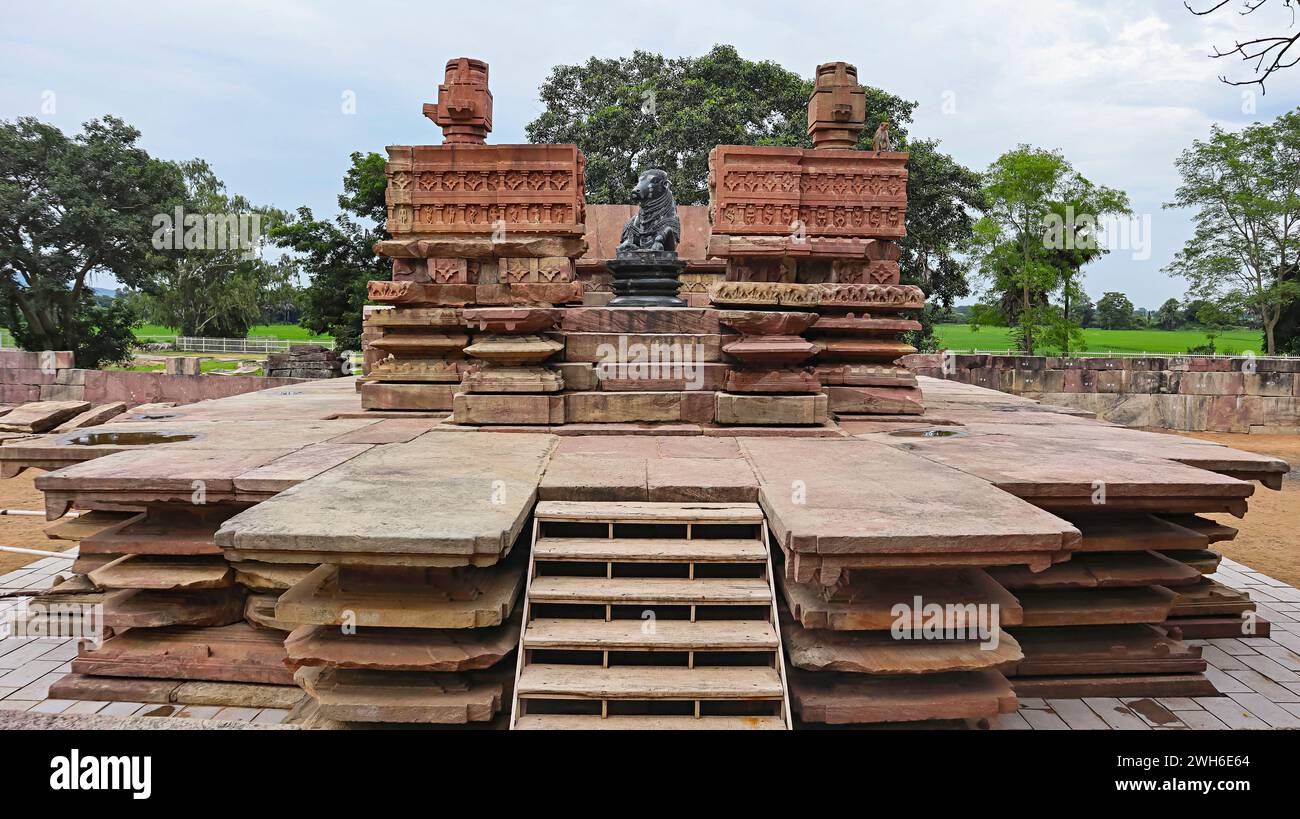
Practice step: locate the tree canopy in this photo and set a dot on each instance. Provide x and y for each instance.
(1245, 189)
(72, 208)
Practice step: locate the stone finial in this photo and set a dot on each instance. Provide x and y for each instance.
(464, 107)
(837, 110)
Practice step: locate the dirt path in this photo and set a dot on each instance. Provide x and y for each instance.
(1269, 538)
(24, 532)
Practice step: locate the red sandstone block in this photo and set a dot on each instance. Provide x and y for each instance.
(20, 359)
(56, 360)
(19, 393)
(1276, 385)
(26, 376)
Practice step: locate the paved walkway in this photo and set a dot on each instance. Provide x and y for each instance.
(29, 666)
(1259, 677)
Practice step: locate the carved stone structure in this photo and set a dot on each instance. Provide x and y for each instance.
(816, 230)
(473, 225)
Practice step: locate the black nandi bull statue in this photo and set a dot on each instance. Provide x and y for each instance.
(646, 268)
(656, 226)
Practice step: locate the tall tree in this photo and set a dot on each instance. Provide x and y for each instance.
(70, 209)
(217, 283)
(1039, 228)
(339, 255)
(1245, 188)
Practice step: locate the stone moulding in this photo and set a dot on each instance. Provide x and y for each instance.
(832, 296)
(478, 189)
(756, 191)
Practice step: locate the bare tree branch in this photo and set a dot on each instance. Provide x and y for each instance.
(1269, 54)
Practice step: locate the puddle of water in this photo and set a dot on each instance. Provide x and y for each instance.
(927, 433)
(128, 438)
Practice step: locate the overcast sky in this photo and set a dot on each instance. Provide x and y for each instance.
(257, 88)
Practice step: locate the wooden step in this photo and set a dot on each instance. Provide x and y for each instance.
(650, 591)
(584, 512)
(669, 635)
(591, 722)
(649, 550)
(648, 683)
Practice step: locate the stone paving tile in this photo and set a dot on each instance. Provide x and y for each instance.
(40, 687)
(1272, 713)
(1041, 720)
(1179, 703)
(1232, 714)
(271, 716)
(1271, 668)
(1221, 660)
(1259, 684)
(1226, 684)
(199, 711)
(1201, 721)
(28, 673)
(1078, 715)
(51, 706)
(242, 714)
(1116, 714)
(120, 709)
(1012, 722)
(86, 707)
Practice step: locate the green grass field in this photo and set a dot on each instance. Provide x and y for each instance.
(205, 366)
(960, 337)
(284, 332)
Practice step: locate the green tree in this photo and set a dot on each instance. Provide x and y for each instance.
(1040, 226)
(1170, 315)
(1245, 188)
(339, 255)
(1115, 312)
(70, 209)
(217, 283)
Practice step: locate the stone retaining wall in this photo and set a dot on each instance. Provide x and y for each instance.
(1188, 393)
(51, 376)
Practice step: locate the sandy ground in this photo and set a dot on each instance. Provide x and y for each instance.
(24, 532)
(1269, 538)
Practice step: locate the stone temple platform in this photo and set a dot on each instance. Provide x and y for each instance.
(286, 557)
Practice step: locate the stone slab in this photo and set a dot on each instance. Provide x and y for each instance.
(389, 649)
(453, 494)
(848, 496)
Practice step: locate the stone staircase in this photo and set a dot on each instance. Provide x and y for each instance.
(650, 616)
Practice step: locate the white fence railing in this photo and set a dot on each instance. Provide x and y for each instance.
(239, 345)
(1110, 354)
